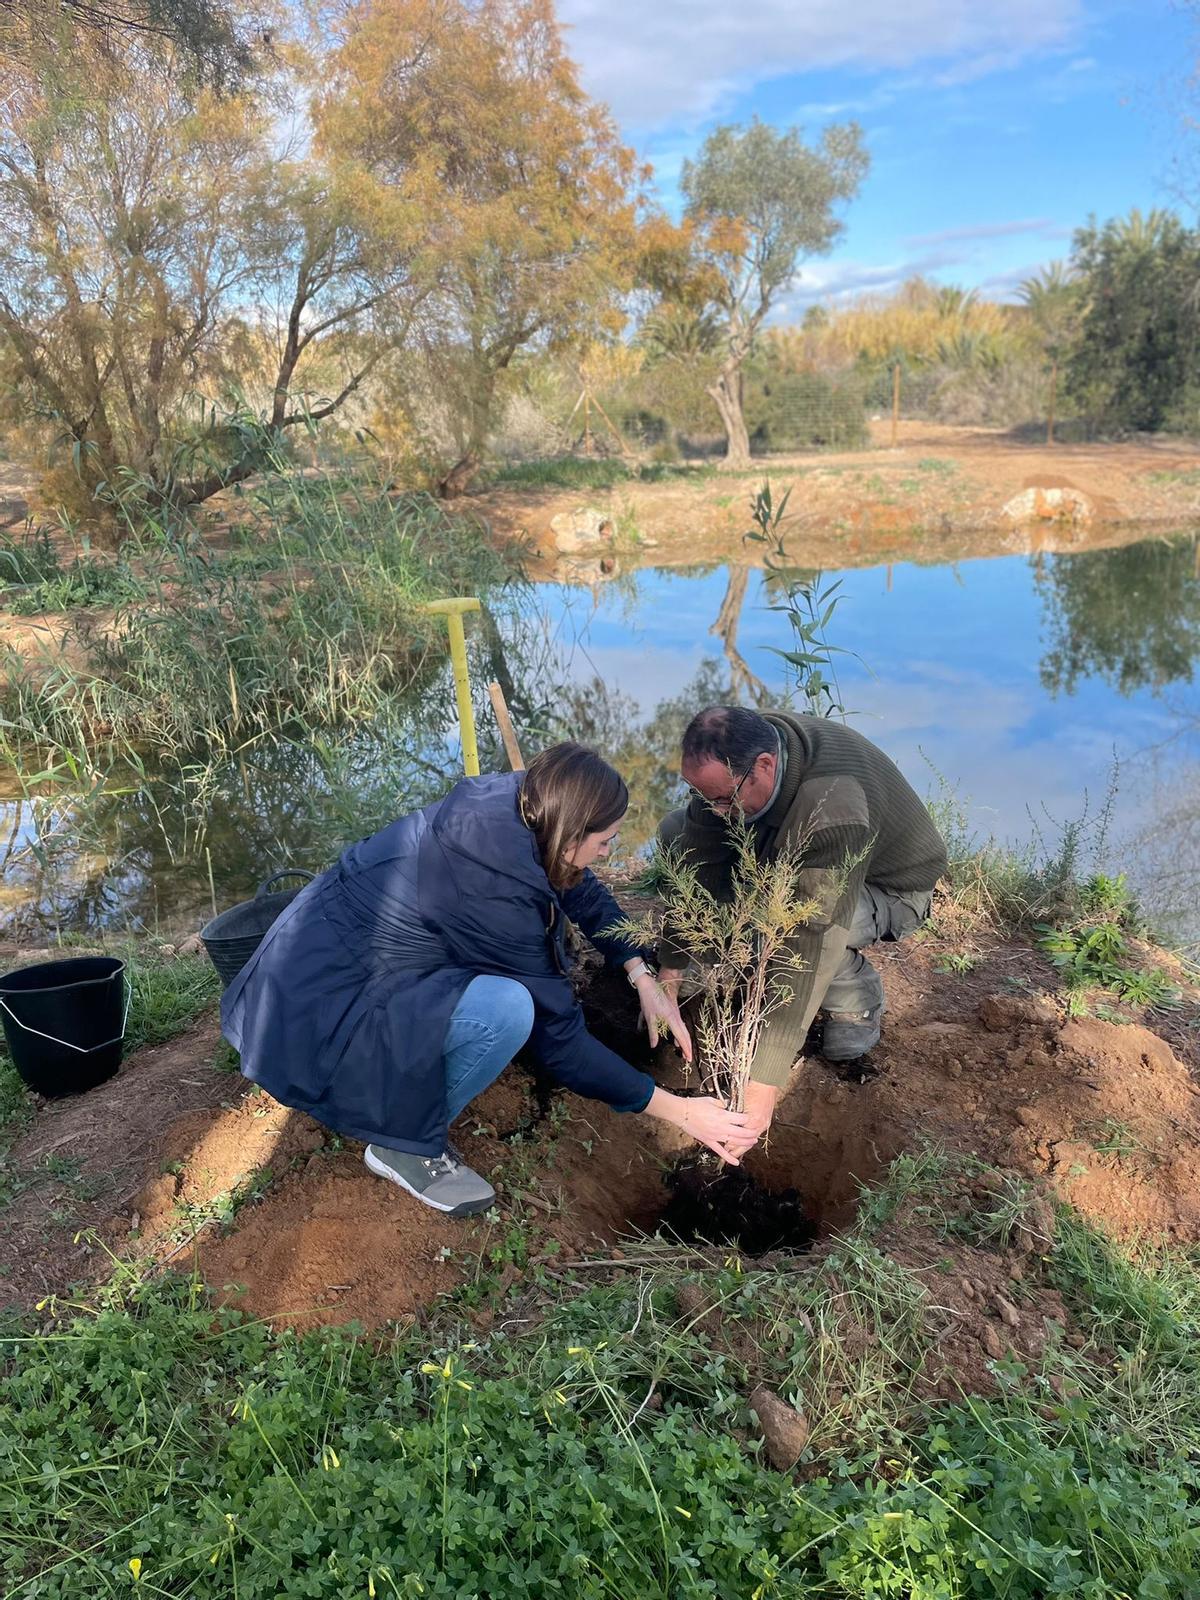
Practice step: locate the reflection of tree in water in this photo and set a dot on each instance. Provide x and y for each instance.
(742, 680)
(646, 753)
(140, 855)
(1130, 617)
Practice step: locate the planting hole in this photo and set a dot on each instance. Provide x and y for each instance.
(725, 1206)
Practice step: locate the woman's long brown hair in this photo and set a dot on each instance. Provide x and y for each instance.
(568, 792)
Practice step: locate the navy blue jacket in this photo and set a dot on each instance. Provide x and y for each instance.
(343, 1008)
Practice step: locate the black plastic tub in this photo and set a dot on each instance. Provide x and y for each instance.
(233, 937)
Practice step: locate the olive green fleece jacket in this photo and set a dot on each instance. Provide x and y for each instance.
(854, 819)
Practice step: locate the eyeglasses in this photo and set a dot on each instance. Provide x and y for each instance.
(725, 803)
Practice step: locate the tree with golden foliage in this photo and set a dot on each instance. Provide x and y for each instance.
(143, 225)
(468, 115)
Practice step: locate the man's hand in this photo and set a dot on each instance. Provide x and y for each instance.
(760, 1102)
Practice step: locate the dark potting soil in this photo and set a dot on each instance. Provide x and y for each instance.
(726, 1207)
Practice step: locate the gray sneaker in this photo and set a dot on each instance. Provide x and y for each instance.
(442, 1182)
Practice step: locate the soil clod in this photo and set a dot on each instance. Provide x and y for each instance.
(784, 1429)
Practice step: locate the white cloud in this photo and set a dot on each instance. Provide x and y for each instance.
(656, 65)
(982, 230)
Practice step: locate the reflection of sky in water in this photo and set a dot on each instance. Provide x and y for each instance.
(949, 683)
(954, 655)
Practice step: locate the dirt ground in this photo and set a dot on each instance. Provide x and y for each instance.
(940, 495)
(174, 1162)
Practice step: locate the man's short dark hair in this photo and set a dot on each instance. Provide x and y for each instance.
(732, 735)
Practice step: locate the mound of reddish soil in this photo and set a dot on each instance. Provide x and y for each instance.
(1104, 1115)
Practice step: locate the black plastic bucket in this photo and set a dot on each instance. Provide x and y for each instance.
(65, 1022)
(233, 937)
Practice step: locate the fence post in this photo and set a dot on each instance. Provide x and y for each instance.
(895, 402)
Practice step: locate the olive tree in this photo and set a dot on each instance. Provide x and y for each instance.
(758, 201)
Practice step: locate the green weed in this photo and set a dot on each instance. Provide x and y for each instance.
(603, 1450)
(216, 655)
(959, 962)
(1098, 956)
(34, 578)
(994, 885)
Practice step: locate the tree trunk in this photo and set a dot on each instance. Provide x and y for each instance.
(479, 401)
(727, 393)
(1053, 397)
(460, 476)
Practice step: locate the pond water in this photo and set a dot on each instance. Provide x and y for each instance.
(1024, 683)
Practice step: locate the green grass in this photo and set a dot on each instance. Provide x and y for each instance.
(34, 578)
(312, 623)
(594, 472)
(1185, 477)
(564, 472)
(604, 1447)
(1053, 878)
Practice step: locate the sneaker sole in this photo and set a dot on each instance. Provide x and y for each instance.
(465, 1208)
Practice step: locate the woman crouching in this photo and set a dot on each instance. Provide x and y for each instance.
(398, 985)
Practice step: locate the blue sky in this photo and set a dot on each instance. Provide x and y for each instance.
(995, 126)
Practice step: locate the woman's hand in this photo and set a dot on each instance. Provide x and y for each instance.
(661, 1010)
(705, 1118)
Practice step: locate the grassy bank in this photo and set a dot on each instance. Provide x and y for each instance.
(305, 616)
(600, 1444)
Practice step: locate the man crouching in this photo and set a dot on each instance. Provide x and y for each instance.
(870, 858)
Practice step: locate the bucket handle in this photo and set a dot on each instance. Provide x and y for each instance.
(284, 872)
(83, 1049)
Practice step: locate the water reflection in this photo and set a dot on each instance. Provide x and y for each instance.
(1018, 679)
(1130, 616)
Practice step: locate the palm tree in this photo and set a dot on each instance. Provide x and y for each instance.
(1052, 298)
(953, 303)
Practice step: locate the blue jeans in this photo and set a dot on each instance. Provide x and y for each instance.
(487, 1027)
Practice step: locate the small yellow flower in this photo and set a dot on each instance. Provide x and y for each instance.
(684, 1513)
(135, 1566)
(370, 1585)
(463, 1384)
(430, 1368)
(576, 1350)
(329, 1458)
(560, 1397)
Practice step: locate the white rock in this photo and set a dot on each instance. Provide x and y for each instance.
(1048, 505)
(580, 530)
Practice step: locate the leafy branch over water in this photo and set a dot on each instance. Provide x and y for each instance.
(809, 606)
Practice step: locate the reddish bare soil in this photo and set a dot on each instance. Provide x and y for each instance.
(1101, 1114)
(938, 496)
